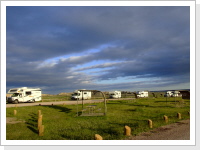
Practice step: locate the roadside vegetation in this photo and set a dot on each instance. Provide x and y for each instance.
(62, 123)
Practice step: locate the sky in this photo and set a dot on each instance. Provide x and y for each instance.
(127, 48)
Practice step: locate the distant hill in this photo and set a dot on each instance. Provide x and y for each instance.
(67, 94)
(171, 90)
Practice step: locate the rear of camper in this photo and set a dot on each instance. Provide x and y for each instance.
(142, 94)
(115, 94)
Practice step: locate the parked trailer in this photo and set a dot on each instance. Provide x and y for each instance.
(142, 94)
(79, 95)
(115, 94)
(24, 94)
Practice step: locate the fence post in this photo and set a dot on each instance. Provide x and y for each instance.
(179, 115)
(15, 112)
(39, 113)
(165, 119)
(98, 137)
(39, 121)
(127, 131)
(41, 130)
(150, 123)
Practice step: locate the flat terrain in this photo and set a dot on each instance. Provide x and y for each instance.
(176, 131)
(60, 102)
(65, 120)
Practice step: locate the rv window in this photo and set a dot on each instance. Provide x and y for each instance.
(28, 93)
(13, 90)
(15, 94)
(85, 93)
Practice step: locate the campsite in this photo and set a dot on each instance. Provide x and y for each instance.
(69, 121)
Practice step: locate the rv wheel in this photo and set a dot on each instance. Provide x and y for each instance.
(33, 100)
(16, 101)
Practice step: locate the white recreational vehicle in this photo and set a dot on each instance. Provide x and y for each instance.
(142, 94)
(168, 94)
(177, 94)
(81, 94)
(115, 94)
(24, 94)
(173, 94)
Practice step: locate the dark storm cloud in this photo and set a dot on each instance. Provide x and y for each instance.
(55, 31)
(144, 41)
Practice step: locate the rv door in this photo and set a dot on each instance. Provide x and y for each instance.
(20, 97)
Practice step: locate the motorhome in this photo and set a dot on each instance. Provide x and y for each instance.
(142, 94)
(115, 94)
(176, 94)
(81, 95)
(169, 94)
(24, 94)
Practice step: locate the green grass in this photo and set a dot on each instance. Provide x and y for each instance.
(50, 98)
(61, 121)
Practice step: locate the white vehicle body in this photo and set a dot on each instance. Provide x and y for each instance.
(79, 95)
(168, 94)
(176, 94)
(24, 94)
(115, 94)
(142, 94)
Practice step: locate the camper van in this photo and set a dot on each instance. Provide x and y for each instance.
(115, 94)
(142, 94)
(176, 94)
(168, 94)
(24, 94)
(81, 95)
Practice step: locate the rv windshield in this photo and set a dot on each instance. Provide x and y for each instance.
(15, 95)
(76, 94)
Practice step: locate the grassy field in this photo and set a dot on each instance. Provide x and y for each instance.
(50, 98)
(67, 97)
(62, 123)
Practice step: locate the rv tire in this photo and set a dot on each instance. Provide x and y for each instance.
(33, 100)
(16, 101)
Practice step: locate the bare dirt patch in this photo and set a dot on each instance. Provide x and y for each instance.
(12, 120)
(176, 131)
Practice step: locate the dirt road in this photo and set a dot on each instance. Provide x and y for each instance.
(176, 131)
(61, 102)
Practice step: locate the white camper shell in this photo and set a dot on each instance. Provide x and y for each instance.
(177, 94)
(24, 94)
(142, 94)
(79, 95)
(115, 94)
(168, 94)
(173, 94)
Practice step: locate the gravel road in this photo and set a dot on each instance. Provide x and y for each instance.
(176, 131)
(61, 102)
